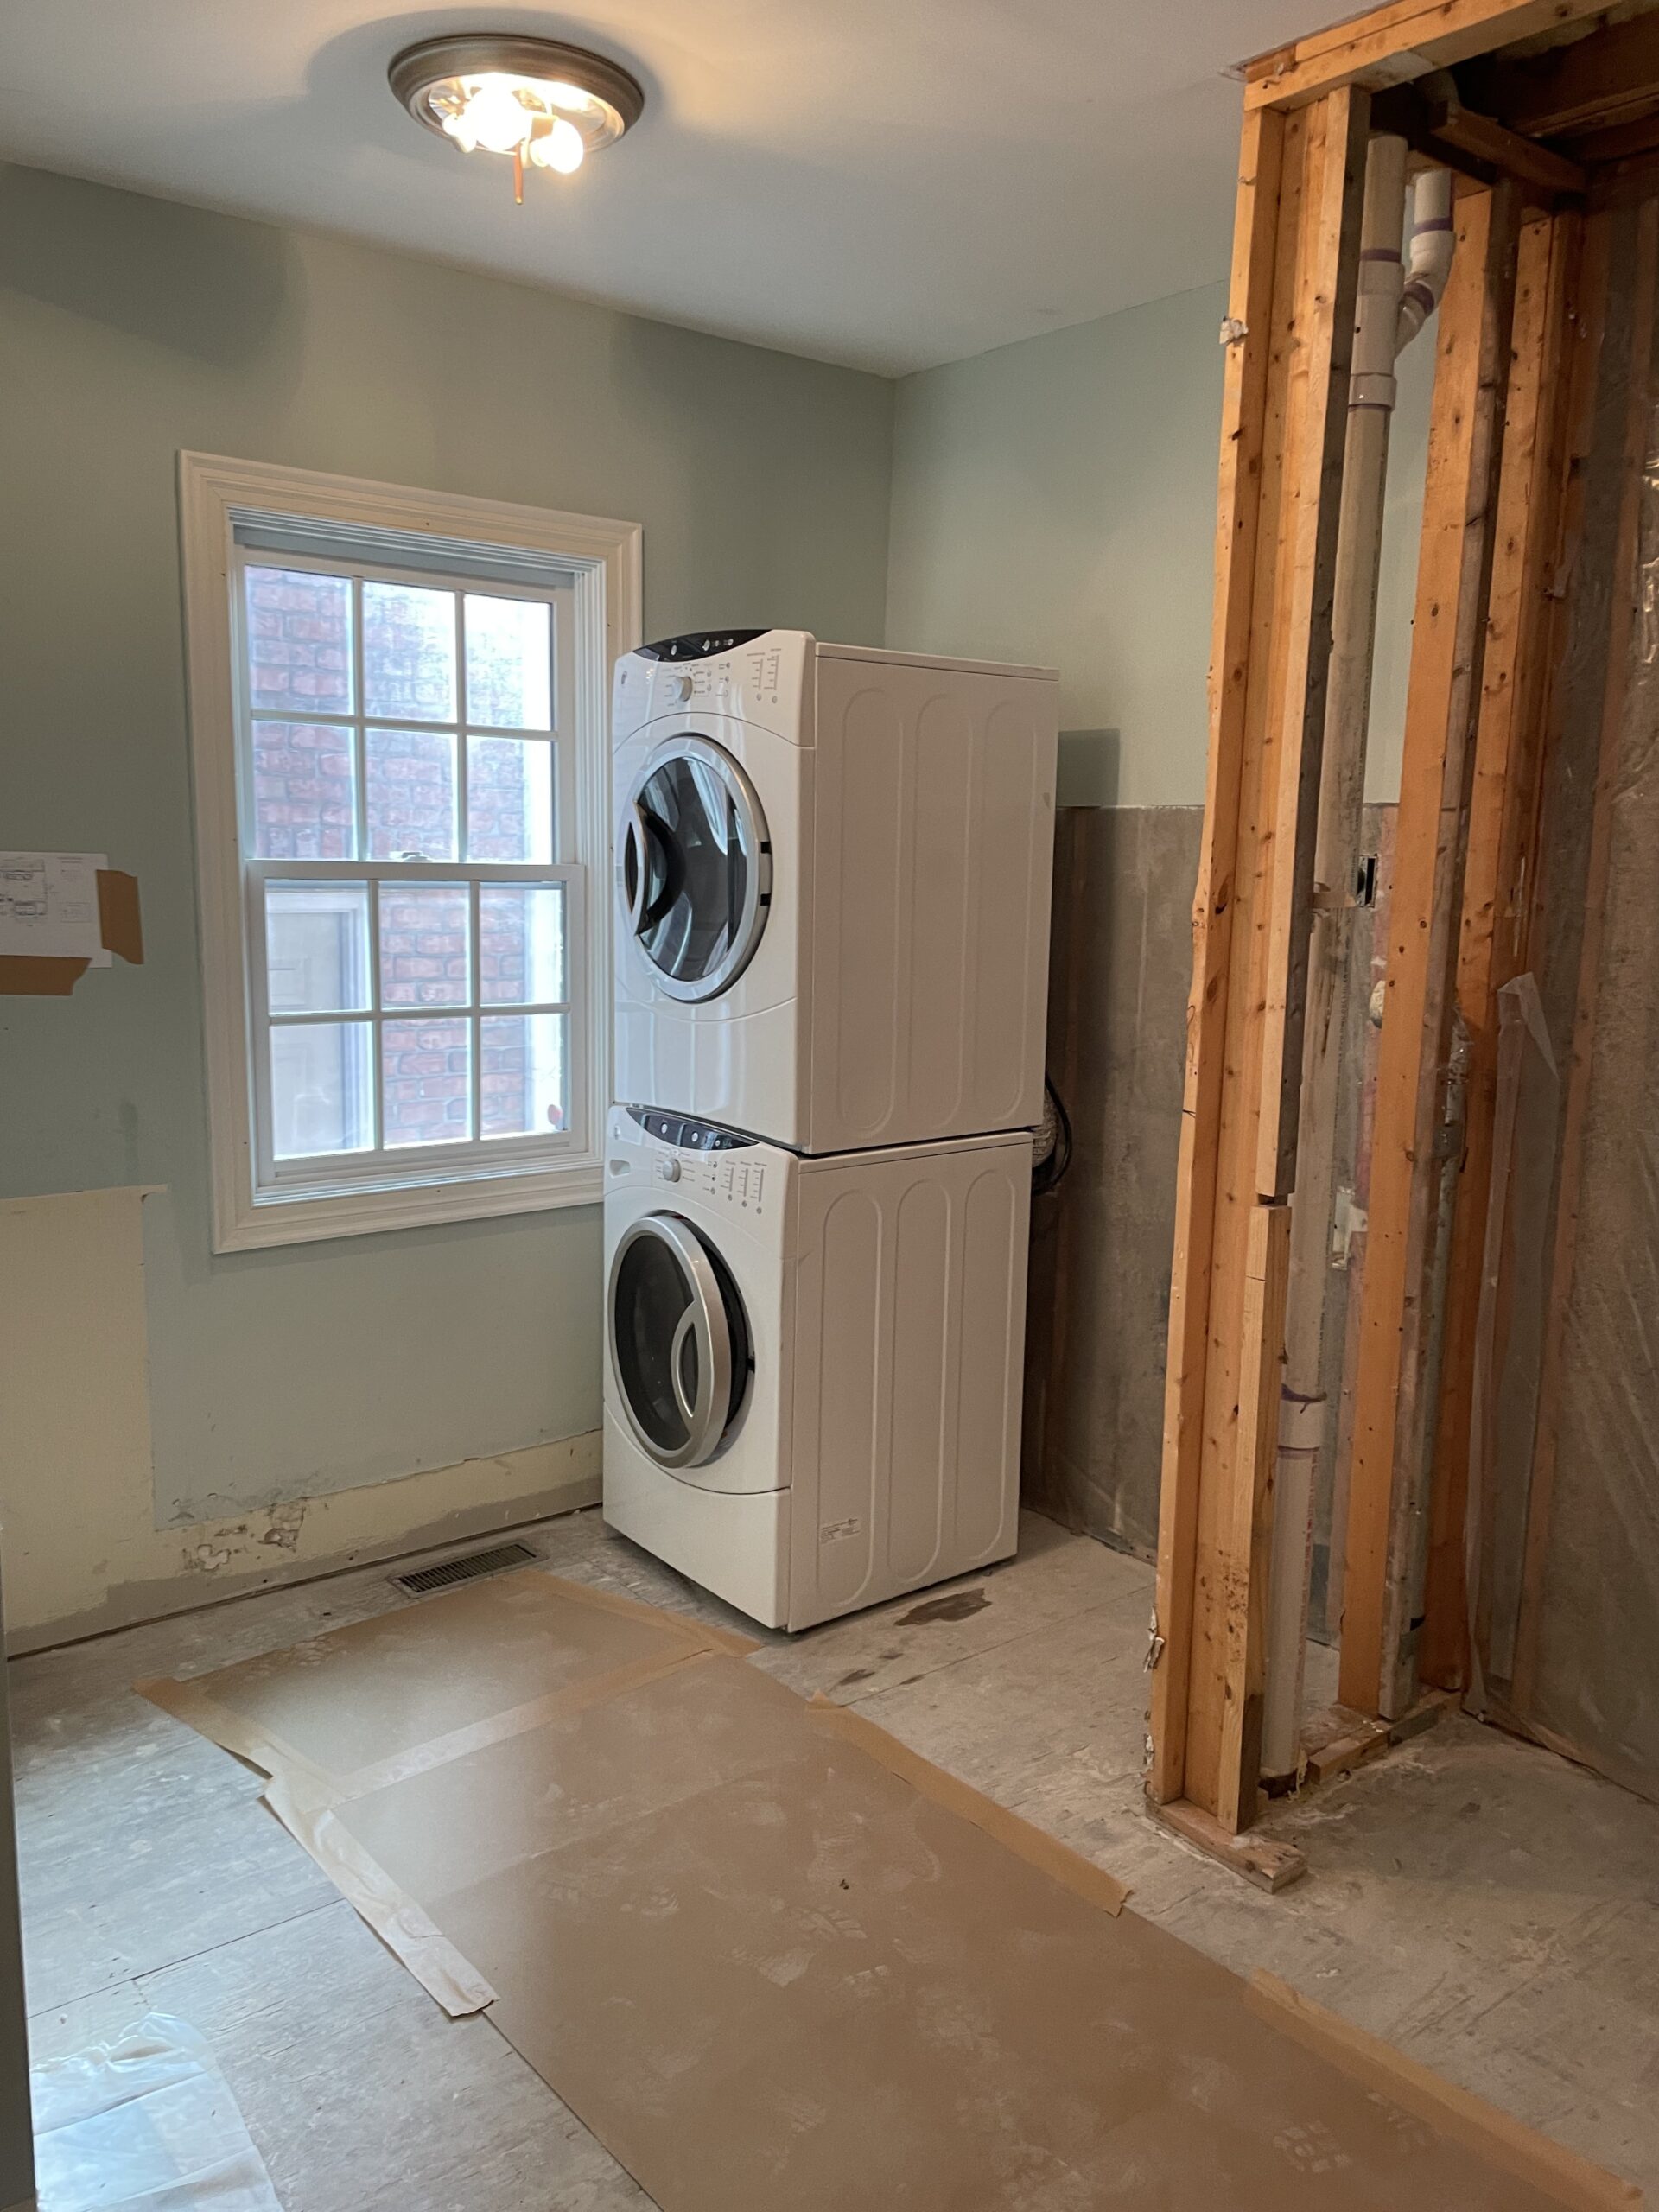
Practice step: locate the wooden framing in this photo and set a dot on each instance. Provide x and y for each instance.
(1495, 496)
(1501, 867)
(1288, 332)
(1388, 1470)
(1583, 89)
(1391, 45)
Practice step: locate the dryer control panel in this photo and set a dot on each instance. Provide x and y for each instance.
(685, 1134)
(753, 676)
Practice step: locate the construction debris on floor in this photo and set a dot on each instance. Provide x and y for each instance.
(146, 2123)
(758, 1946)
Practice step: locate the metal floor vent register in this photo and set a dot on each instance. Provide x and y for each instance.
(451, 1571)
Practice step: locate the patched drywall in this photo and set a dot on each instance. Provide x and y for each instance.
(80, 1547)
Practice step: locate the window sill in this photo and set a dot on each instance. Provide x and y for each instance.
(263, 1222)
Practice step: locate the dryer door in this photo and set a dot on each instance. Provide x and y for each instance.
(679, 1341)
(695, 868)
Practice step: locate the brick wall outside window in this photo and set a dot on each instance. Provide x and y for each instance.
(305, 803)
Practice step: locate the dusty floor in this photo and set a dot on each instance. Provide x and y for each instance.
(1489, 1908)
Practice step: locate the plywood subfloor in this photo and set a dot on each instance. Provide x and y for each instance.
(1488, 1909)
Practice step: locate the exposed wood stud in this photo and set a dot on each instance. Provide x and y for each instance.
(1325, 312)
(1249, 449)
(1393, 45)
(1582, 86)
(1387, 1525)
(1523, 630)
(1506, 151)
(1250, 924)
(1261, 1859)
(1289, 320)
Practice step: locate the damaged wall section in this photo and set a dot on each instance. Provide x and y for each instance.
(1586, 1670)
(1097, 1314)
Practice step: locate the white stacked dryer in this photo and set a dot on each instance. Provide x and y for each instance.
(833, 870)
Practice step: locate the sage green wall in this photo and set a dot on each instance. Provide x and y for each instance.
(131, 328)
(1055, 501)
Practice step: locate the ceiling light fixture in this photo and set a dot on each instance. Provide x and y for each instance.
(547, 104)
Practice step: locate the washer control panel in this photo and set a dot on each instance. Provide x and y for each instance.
(737, 1183)
(706, 1162)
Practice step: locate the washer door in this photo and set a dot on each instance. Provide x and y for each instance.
(694, 875)
(679, 1341)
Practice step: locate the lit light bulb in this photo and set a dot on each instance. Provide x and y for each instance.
(560, 149)
(494, 116)
(570, 97)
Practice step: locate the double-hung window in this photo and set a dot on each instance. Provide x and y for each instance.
(398, 719)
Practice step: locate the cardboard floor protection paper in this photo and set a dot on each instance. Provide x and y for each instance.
(771, 1957)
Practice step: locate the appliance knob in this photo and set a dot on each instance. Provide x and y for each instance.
(678, 688)
(668, 1170)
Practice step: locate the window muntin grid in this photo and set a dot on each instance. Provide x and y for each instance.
(460, 1049)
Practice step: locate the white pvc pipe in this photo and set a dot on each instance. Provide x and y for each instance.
(1391, 307)
(1428, 256)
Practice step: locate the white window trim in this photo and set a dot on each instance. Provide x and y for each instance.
(215, 494)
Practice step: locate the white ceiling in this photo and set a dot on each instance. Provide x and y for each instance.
(889, 183)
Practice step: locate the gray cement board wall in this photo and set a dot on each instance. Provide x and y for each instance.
(1098, 1309)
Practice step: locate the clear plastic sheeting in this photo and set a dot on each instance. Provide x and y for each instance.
(1569, 1440)
(144, 2124)
(1588, 1665)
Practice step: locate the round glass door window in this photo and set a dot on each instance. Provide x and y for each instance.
(695, 869)
(679, 1341)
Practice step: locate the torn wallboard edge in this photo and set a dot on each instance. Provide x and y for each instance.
(120, 930)
(1035, 1845)
(1507, 2142)
(1269, 1864)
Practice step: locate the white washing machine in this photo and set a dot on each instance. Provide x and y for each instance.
(833, 868)
(813, 1367)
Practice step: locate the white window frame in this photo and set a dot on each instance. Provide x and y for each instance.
(252, 1210)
